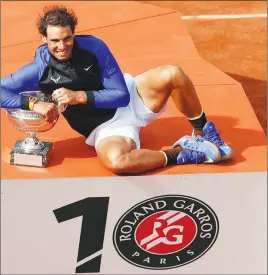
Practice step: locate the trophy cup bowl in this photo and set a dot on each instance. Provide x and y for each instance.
(31, 151)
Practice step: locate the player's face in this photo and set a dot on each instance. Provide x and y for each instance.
(60, 41)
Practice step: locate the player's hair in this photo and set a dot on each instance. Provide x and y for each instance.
(56, 16)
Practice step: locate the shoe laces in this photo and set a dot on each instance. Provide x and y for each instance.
(213, 136)
(194, 156)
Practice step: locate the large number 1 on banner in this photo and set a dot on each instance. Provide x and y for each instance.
(94, 213)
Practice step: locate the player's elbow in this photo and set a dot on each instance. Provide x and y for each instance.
(9, 100)
(125, 99)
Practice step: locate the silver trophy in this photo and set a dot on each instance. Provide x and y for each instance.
(31, 151)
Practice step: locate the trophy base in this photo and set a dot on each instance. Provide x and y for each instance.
(40, 158)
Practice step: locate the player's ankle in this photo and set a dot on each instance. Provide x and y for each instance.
(171, 155)
(198, 122)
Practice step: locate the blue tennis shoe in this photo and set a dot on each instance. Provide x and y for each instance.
(212, 135)
(202, 152)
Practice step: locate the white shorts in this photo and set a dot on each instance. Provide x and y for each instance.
(128, 120)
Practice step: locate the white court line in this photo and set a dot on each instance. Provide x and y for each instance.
(223, 16)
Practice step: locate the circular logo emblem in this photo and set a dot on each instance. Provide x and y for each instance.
(166, 232)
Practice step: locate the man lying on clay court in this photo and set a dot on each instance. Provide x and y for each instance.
(105, 106)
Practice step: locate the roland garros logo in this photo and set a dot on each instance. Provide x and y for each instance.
(166, 232)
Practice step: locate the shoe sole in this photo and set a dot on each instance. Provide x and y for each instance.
(227, 157)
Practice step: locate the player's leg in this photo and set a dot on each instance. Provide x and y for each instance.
(120, 155)
(118, 150)
(156, 85)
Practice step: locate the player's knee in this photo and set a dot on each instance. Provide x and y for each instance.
(116, 164)
(173, 76)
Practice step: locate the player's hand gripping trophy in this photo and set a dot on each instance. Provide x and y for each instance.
(31, 151)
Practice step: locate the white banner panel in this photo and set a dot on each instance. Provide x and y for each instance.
(178, 224)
